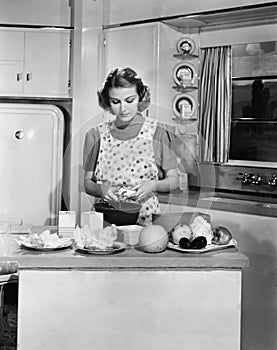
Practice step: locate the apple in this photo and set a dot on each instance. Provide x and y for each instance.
(221, 235)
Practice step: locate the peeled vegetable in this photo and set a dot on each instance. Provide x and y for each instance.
(184, 243)
(153, 238)
(199, 242)
(180, 231)
(221, 235)
(200, 227)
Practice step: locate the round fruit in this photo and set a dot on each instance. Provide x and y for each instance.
(180, 231)
(153, 238)
(221, 235)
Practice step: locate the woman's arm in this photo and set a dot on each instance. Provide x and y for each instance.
(146, 187)
(169, 183)
(103, 190)
(92, 187)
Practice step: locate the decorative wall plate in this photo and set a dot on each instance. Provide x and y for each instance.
(185, 46)
(185, 74)
(184, 106)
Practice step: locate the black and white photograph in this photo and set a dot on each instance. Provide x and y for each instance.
(138, 175)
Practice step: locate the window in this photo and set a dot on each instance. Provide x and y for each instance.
(254, 102)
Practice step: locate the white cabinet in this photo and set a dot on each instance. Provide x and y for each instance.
(11, 61)
(35, 12)
(175, 308)
(46, 63)
(34, 63)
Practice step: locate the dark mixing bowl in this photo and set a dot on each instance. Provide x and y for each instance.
(119, 213)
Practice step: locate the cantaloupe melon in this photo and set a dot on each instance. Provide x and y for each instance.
(153, 239)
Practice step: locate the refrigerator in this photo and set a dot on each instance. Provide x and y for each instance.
(31, 163)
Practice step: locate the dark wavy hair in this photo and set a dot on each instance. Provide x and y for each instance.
(121, 78)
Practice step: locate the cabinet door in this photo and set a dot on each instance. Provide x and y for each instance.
(135, 47)
(11, 77)
(12, 45)
(35, 12)
(11, 61)
(46, 63)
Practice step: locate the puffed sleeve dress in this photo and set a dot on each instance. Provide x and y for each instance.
(126, 156)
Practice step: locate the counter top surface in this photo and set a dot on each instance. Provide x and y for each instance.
(224, 201)
(130, 258)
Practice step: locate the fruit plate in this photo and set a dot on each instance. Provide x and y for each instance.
(207, 249)
(63, 244)
(116, 248)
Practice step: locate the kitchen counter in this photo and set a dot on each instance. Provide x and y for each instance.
(131, 299)
(131, 258)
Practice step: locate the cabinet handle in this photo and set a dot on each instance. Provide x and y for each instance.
(29, 76)
(18, 76)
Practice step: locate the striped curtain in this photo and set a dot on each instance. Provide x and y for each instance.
(215, 103)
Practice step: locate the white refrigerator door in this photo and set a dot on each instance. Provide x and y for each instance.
(31, 153)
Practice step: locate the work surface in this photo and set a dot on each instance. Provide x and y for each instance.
(130, 258)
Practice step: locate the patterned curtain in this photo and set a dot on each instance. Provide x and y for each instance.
(215, 104)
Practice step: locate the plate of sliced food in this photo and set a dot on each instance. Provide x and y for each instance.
(199, 237)
(206, 249)
(115, 248)
(45, 241)
(100, 242)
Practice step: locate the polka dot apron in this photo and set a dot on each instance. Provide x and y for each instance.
(127, 163)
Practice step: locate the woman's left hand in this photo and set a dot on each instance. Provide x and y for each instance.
(144, 189)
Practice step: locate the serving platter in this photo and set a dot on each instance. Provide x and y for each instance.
(116, 248)
(207, 249)
(63, 244)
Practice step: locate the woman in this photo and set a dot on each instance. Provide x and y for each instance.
(130, 155)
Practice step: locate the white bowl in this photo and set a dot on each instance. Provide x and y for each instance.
(130, 234)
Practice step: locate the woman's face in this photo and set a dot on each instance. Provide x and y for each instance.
(124, 102)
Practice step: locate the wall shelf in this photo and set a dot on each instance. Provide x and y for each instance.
(188, 88)
(182, 56)
(184, 120)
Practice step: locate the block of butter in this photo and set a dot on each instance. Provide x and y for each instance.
(93, 220)
(67, 223)
(67, 219)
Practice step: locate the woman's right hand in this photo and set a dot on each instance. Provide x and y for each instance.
(108, 192)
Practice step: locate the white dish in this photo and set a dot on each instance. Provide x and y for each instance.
(185, 46)
(64, 243)
(116, 248)
(208, 248)
(185, 74)
(184, 106)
